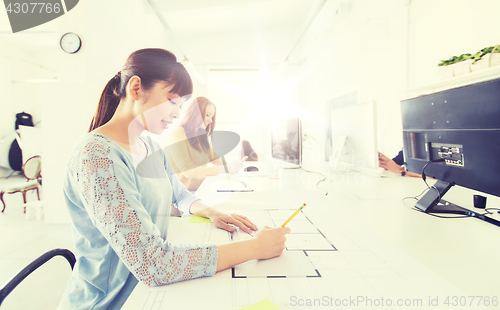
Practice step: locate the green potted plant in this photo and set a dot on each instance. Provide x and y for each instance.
(485, 58)
(465, 63)
(459, 64)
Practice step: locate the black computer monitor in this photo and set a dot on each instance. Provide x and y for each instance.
(286, 140)
(455, 135)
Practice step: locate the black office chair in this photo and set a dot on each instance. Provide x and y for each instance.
(7, 289)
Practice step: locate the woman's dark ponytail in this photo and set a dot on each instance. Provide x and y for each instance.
(110, 98)
(151, 65)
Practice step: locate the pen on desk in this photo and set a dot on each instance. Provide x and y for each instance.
(247, 233)
(293, 215)
(234, 190)
(234, 231)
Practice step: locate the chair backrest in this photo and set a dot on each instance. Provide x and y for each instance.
(21, 275)
(32, 167)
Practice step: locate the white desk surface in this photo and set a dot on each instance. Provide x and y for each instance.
(384, 248)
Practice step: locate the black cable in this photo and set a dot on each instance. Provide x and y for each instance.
(437, 190)
(423, 192)
(425, 166)
(488, 211)
(424, 177)
(443, 217)
(415, 197)
(300, 167)
(321, 174)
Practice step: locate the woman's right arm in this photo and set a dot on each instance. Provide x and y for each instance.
(268, 243)
(111, 199)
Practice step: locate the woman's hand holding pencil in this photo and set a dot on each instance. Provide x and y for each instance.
(270, 242)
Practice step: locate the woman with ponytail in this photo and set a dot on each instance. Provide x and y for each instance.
(119, 189)
(189, 149)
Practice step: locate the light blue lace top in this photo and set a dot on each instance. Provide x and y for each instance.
(120, 208)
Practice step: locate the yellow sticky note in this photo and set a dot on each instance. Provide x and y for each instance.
(264, 304)
(198, 219)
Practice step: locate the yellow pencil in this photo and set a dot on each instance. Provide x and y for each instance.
(293, 215)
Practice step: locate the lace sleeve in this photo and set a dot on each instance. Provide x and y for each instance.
(113, 203)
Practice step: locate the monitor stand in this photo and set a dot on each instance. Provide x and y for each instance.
(432, 202)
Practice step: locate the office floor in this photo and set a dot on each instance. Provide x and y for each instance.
(22, 241)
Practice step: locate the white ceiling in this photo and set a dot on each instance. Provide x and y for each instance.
(236, 31)
(208, 31)
(201, 17)
(31, 41)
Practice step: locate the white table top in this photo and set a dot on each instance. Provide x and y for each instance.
(384, 249)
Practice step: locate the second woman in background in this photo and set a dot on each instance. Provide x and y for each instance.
(189, 149)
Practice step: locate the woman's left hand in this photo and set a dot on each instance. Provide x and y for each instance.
(388, 164)
(224, 221)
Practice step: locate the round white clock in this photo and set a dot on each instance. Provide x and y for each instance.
(71, 43)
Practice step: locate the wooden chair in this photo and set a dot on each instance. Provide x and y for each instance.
(31, 170)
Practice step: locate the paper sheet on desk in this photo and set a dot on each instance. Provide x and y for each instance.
(259, 218)
(289, 264)
(299, 227)
(192, 294)
(200, 233)
(300, 242)
(223, 182)
(283, 215)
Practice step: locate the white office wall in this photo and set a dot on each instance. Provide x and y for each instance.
(26, 86)
(6, 117)
(7, 113)
(110, 31)
(18, 95)
(366, 52)
(233, 93)
(383, 48)
(199, 75)
(26, 98)
(444, 28)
